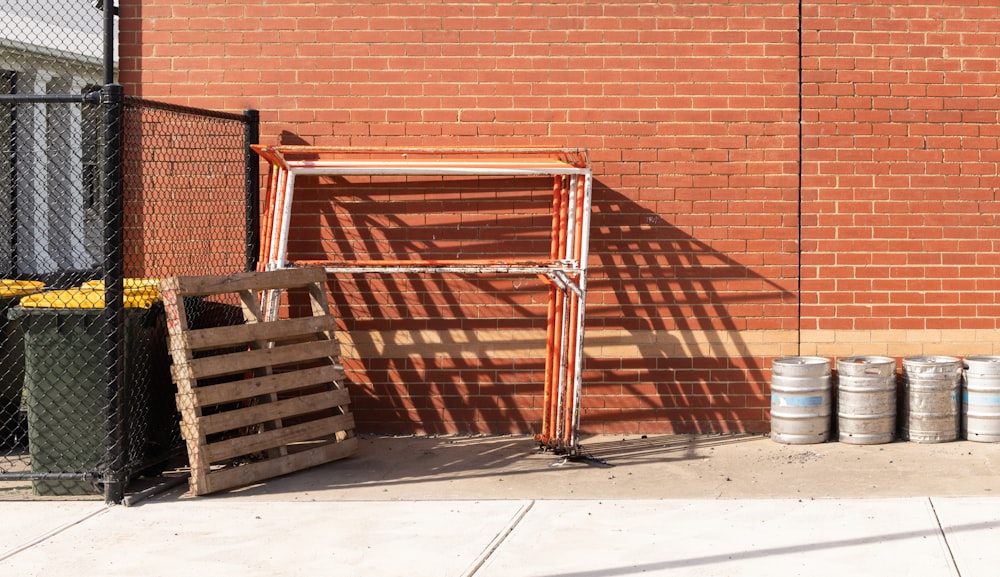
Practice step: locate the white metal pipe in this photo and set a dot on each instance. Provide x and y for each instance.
(581, 308)
(571, 221)
(281, 255)
(456, 269)
(417, 169)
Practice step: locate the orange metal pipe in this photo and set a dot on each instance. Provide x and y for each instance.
(559, 320)
(563, 219)
(558, 391)
(573, 156)
(569, 415)
(578, 249)
(273, 169)
(268, 217)
(267, 227)
(547, 385)
(548, 414)
(278, 218)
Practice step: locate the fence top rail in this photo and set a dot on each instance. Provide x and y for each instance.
(425, 160)
(89, 98)
(179, 109)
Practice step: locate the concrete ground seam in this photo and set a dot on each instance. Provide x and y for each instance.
(50, 534)
(944, 537)
(499, 539)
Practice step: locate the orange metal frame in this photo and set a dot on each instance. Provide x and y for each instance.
(565, 269)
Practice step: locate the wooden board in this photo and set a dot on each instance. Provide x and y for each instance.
(261, 399)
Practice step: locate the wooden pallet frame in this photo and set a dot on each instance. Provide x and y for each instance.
(261, 399)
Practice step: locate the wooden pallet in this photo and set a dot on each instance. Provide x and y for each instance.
(261, 399)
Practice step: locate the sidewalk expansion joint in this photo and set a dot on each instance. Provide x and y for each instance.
(498, 539)
(48, 535)
(944, 537)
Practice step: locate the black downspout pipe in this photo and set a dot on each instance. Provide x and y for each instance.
(114, 313)
(798, 272)
(252, 136)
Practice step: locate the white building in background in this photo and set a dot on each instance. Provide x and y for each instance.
(50, 218)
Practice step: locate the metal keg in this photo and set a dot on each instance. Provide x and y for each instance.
(931, 400)
(866, 400)
(981, 399)
(800, 400)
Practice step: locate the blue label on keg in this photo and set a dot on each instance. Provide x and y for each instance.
(783, 401)
(980, 399)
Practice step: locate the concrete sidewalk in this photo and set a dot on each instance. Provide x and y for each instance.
(917, 537)
(494, 507)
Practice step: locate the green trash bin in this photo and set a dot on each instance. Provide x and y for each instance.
(65, 390)
(13, 430)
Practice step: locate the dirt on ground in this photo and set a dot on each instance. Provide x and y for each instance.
(640, 467)
(739, 466)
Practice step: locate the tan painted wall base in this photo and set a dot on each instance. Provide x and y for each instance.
(609, 344)
(602, 344)
(901, 343)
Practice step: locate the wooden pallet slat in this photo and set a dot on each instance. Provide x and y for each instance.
(244, 282)
(250, 415)
(287, 435)
(231, 336)
(253, 472)
(260, 399)
(249, 360)
(217, 394)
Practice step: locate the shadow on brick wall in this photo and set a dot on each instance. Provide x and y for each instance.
(434, 354)
(686, 320)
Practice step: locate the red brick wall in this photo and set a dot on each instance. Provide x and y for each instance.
(690, 111)
(900, 151)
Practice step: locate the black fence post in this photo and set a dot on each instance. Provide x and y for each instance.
(251, 132)
(114, 316)
(110, 11)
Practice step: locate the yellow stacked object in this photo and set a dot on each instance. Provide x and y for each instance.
(10, 288)
(139, 293)
(129, 283)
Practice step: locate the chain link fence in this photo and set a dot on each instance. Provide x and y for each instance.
(101, 195)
